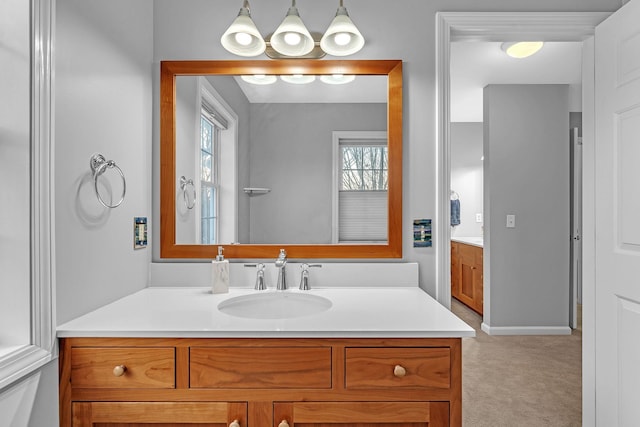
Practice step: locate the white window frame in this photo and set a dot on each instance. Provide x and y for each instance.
(337, 136)
(42, 347)
(215, 182)
(227, 159)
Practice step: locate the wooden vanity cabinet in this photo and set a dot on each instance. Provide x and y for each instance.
(467, 278)
(260, 382)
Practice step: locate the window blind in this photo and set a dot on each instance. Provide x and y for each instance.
(363, 216)
(214, 115)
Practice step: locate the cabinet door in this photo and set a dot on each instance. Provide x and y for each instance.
(471, 278)
(165, 414)
(361, 414)
(455, 271)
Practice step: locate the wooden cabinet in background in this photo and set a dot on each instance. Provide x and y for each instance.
(260, 382)
(467, 279)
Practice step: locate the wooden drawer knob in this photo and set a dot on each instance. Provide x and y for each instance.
(283, 423)
(119, 370)
(399, 371)
(235, 423)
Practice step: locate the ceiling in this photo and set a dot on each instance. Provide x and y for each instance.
(477, 64)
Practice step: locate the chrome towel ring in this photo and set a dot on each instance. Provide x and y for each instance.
(184, 183)
(99, 165)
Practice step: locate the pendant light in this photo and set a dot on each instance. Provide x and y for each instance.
(292, 38)
(342, 37)
(242, 37)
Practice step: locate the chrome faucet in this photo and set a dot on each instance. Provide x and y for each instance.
(261, 283)
(281, 263)
(304, 276)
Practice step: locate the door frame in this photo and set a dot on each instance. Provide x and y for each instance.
(501, 26)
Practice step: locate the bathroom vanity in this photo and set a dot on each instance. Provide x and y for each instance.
(467, 277)
(170, 356)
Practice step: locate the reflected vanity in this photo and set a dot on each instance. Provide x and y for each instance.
(280, 208)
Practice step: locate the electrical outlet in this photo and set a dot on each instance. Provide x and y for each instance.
(478, 217)
(511, 221)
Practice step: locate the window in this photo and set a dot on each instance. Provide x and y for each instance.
(209, 140)
(361, 184)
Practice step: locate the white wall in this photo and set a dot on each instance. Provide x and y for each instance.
(526, 173)
(103, 104)
(398, 30)
(466, 176)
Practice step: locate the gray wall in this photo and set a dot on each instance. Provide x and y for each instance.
(103, 103)
(526, 173)
(191, 30)
(292, 153)
(467, 176)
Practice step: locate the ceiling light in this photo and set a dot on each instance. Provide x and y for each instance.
(292, 39)
(298, 79)
(242, 37)
(342, 37)
(521, 49)
(337, 79)
(259, 79)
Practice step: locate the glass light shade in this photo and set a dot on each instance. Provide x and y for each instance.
(259, 79)
(298, 79)
(337, 79)
(288, 32)
(521, 49)
(342, 37)
(242, 37)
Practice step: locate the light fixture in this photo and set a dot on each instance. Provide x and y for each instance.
(292, 39)
(242, 37)
(521, 50)
(342, 38)
(260, 79)
(298, 79)
(337, 79)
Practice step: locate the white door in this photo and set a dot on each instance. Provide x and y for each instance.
(617, 218)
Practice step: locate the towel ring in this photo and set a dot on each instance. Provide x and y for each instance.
(184, 182)
(99, 165)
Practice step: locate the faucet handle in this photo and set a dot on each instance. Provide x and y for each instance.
(261, 283)
(304, 276)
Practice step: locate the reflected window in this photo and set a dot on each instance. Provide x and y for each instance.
(209, 141)
(362, 186)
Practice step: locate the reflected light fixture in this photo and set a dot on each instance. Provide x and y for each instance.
(292, 38)
(298, 79)
(259, 79)
(242, 37)
(521, 50)
(342, 38)
(337, 79)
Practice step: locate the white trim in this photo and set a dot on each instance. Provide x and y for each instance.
(43, 344)
(336, 136)
(525, 330)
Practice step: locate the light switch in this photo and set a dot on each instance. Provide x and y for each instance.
(479, 217)
(511, 221)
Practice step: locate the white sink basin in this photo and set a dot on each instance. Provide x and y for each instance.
(274, 305)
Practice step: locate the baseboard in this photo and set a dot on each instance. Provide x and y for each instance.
(526, 330)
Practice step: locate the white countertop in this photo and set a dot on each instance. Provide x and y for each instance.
(473, 241)
(406, 312)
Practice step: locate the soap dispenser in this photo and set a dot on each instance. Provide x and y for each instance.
(220, 273)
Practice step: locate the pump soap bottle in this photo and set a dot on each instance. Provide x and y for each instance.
(220, 273)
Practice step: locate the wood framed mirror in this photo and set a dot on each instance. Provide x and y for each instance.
(170, 187)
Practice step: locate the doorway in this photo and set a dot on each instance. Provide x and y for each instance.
(553, 26)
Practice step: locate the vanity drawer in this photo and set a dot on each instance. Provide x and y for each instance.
(397, 367)
(260, 367)
(123, 367)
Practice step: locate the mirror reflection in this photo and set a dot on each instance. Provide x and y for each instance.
(257, 168)
(296, 159)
